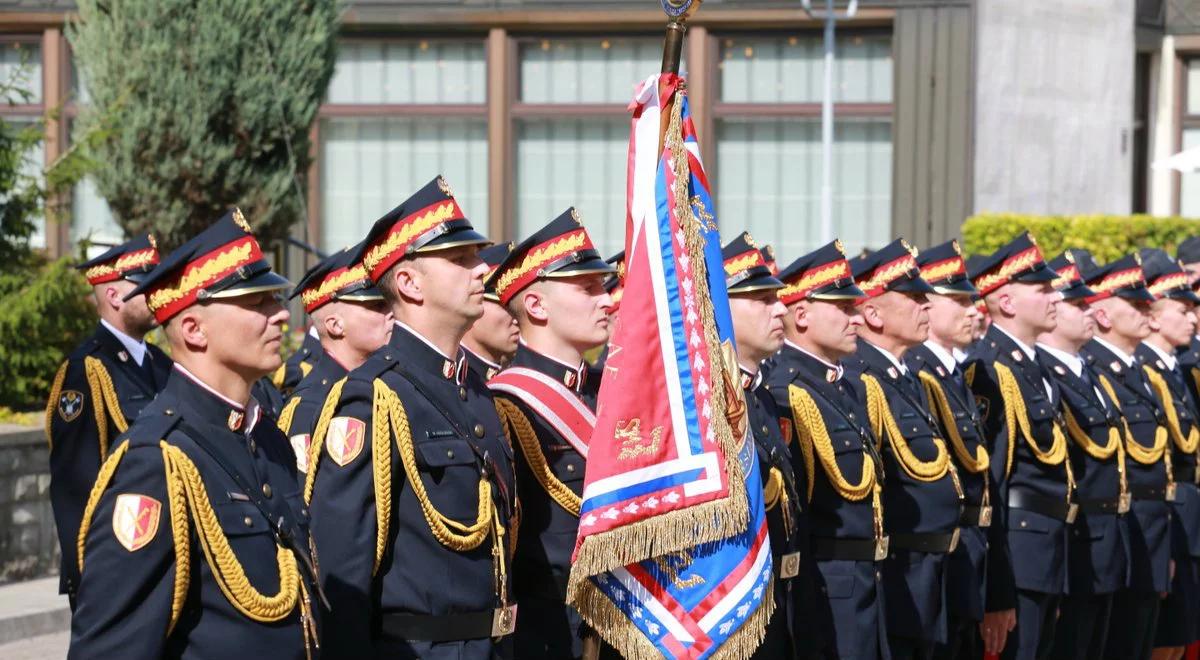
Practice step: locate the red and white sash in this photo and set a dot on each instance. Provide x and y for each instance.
(559, 406)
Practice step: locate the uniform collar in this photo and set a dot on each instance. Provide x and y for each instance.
(484, 366)
(217, 407)
(1073, 361)
(1124, 357)
(942, 354)
(887, 354)
(137, 349)
(573, 377)
(830, 373)
(1167, 358)
(1025, 348)
(416, 350)
(750, 380)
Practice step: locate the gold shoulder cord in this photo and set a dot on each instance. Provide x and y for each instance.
(286, 415)
(104, 396)
(1186, 445)
(1017, 416)
(1135, 450)
(516, 423)
(186, 494)
(278, 376)
(1094, 450)
(52, 402)
(882, 420)
(813, 437)
(973, 464)
(317, 441)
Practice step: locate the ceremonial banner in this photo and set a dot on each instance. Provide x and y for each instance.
(672, 557)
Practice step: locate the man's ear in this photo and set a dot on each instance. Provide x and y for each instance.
(112, 298)
(334, 325)
(1153, 318)
(189, 329)
(871, 316)
(408, 280)
(1005, 302)
(1100, 316)
(799, 315)
(534, 304)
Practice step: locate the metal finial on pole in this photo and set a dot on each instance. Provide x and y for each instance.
(830, 17)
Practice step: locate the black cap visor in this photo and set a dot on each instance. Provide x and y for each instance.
(1076, 290)
(448, 235)
(911, 284)
(755, 282)
(957, 287)
(1135, 294)
(1039, 273)
(843, 289)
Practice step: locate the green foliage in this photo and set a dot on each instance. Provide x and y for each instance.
(205, 104)
(1106, 236)
(46, 312)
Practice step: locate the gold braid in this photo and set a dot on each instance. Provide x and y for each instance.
(973, 464)
(105, 475)
(318, 437)
(527, 439)
(177, 510)
(775, 494)
(381, 467)
(814, 437)
(1136, 450)
(104, 396)
(278, 376)
(52, 402)
(1186, 445)
(227, 571)
(286, 415)
(882, 419)
(1016, 416)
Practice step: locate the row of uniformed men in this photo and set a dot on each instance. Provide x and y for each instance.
(408, 476)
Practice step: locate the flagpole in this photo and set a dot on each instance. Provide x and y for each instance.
(678, 11)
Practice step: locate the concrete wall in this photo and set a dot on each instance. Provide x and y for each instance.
(1054, 106)
(28, 543)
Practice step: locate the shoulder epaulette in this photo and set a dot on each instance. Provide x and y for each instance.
(377, 363)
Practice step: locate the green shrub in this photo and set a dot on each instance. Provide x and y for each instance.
(45, 314)
(1106, 236)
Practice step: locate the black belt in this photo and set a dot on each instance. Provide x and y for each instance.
(1185, 474)
(827, 548)
(1096, 507)
(1053, 507)
(975, 516)
(932, 543)
(1152, 493)
(449, 627)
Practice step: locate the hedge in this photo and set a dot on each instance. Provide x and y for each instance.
(1106, 236)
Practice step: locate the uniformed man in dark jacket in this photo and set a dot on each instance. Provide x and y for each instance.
(553, 284)
(1121, 309)
(952, 317)
(1188, 255)
(352, 320)
(922, 501)
(1032, 477)
(196, 541)
(834, 454)
(758, 316)
(412, 486)
(1097, 560)
(100, 388)
(1172, 326)
(492, 340)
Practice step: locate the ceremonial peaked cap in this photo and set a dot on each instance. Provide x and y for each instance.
(1189, 250)
(1069, 282)
(493, 256)
(823, 274)
(1165, 277)
(769, 257)
(223, 261)
(428, 221)
(131, 260)
(1019, 261)
(1122, 278)
(560, 249)
(745, 267)
(942, 266)
(336, 277)
(892, 267)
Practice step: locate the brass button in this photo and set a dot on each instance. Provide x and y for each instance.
(1024, 523)
(387, 358)
(169, 412)
(249, 521)
(324, 381)
(478, 430)
(266, 490)
(449, 453)
(253, 446)
(570, 467)
(462, 393)
(764, 430)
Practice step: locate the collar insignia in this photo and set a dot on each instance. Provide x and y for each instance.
(1160, 365)
(569, 378)
(830, 375)
(892, 373)
(448, 369)
(1016, 355)
(235, 420)
(1115, 366)
(123, 356)
(1059, 370)
(941, 372)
